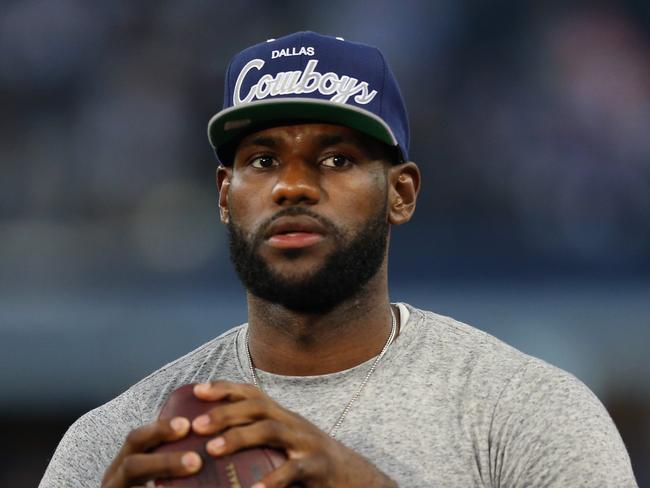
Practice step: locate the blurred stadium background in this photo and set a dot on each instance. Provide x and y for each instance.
(530, 120)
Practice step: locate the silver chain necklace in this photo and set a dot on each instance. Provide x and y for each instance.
(337, 424)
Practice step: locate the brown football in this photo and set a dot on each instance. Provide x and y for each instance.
(241, 469)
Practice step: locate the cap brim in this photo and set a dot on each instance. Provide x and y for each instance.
(232, 122)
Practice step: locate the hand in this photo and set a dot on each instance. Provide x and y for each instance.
(133, 466)
(253, 419)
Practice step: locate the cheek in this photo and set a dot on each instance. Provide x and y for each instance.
(359, 196)
(242, 204)
(243, 194)
(249, 206)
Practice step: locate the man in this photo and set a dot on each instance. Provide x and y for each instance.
(359, 392)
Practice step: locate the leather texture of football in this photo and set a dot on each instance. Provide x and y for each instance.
(239, 470)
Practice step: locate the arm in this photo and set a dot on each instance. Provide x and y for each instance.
(106, 448)
(550, 430)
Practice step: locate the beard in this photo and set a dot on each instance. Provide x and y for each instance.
(343, 274)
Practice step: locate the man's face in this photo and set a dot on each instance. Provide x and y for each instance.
(307, 213)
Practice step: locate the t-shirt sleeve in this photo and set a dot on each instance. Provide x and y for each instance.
(91, 443)
(550, 430)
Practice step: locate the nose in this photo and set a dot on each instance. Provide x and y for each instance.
(298, 182)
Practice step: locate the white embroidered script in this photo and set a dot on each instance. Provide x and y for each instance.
(342, 88)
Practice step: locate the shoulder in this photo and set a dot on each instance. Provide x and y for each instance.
(216, 359)
(543, 426)
(478, 353)
(89, 445)
(548, 428)
(470, 357)
(480, 360)
(453, 333)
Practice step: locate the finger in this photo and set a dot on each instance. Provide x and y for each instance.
(234, 414)
(149, 436)
(138, 468)
(293, 471)
(225, 390)
(263, 433)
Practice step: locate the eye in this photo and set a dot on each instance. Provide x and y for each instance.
(263, 162)
(336, 161)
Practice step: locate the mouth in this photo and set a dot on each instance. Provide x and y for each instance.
(294, 232)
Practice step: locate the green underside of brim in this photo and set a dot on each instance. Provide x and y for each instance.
(250, 116)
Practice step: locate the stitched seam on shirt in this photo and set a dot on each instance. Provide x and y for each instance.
(498, 400)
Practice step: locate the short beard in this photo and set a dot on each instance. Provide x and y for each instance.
(341, 277)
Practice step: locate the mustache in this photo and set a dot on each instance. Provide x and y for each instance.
(295, 212)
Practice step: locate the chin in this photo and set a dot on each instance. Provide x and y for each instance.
(294, 276)
(295, 264)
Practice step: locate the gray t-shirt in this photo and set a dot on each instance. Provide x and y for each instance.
(448, 406)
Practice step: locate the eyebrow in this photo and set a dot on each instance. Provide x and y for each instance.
(324, 140)
(262, 141)
(334, 139)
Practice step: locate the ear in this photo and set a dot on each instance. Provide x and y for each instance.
(403, 189)
(223, 183)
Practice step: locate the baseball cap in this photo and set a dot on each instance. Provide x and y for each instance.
(309, 77)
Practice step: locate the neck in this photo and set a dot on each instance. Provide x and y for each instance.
(287, 342)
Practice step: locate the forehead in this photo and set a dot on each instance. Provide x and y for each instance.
(313, 135)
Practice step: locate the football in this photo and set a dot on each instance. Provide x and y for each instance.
(241, 469)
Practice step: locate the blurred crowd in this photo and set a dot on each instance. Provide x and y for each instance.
(530, 122)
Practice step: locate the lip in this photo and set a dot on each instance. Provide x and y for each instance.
(294, 232)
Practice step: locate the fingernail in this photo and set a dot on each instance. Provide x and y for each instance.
(191, 460)
(259, 484)
(215, 446)
(202, 387)
(179, 424)
(201, 421)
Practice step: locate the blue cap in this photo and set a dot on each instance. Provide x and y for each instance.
(310, 77)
